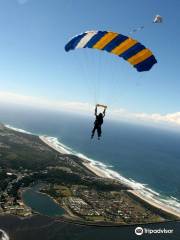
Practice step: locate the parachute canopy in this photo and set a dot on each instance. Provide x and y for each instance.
(129, 49)
(158, 19)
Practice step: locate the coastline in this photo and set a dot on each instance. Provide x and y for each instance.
(97, 171)
(50, 142)
(168, 205)
(140, 193)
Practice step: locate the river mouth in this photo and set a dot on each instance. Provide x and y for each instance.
(41, 203)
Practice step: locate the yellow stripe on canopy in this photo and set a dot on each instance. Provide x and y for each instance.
(107, 38)
(124, 46)
(140, 56)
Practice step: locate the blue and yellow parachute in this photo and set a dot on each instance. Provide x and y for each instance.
(129, 49)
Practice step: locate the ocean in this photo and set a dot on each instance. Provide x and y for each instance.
(146, 157)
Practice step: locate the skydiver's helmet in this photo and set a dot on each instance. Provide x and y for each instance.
(100, 115)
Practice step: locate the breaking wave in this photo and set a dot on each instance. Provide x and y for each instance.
(17, 129)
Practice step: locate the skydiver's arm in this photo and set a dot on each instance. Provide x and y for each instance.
(104, 112)
(95, 111)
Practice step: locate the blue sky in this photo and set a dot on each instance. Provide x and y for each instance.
(33, 61)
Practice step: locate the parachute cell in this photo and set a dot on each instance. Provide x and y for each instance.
(126, 47)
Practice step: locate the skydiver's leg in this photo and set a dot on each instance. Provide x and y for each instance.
(93, 131)
(99, 131)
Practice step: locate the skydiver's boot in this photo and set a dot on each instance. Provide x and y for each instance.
(92, 135)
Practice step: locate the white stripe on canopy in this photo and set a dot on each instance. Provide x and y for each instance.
(86, 39)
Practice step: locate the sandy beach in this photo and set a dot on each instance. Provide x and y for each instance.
(140, 193)
(86, 163)
(50, 142)
(155, 203)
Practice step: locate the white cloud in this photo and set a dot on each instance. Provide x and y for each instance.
(13, 98)
(84, 107)
(156, 117)
(119, 111)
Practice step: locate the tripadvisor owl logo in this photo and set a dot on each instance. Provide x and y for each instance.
(139, 231)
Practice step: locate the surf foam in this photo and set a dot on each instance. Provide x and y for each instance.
(17, 129)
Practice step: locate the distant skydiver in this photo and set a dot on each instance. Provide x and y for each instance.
(99, 121)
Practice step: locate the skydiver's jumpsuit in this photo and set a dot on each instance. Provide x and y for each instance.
(97, 123)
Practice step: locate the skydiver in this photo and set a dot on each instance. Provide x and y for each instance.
(99, 121)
